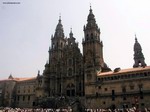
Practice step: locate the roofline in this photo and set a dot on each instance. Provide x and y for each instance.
(19, 79)
(122, 71)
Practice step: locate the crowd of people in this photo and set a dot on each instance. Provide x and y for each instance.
(8, 109)
(133, 109)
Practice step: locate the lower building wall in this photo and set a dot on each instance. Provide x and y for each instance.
(107, 102)
(26, 103)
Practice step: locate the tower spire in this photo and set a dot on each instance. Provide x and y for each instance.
(138, 55)
(91, 22)
(71, 30)
(59, 32)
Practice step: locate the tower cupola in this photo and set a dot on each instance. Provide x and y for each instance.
(71, 39)
(137, 46)
(91, 22)
(59, 32)
(138, 55)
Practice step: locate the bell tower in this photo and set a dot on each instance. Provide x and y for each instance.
(56, 55)
(92, 53)
(58, 43)
(92, 46)
(139, 60)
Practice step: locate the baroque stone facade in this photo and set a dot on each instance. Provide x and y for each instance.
(71, 78)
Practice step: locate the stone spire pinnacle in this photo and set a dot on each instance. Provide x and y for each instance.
(137, 46)
(138, 55)
(91, 22)
(59, 32)
(135, 38)
(91, 15)
(10, 76)
(71, 34)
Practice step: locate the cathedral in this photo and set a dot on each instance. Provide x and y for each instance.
(72, 79)
(65, 71)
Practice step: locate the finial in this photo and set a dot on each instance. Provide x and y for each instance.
(90, 8)
(135, 35)
(135, 38)
(59, 17)
(71, 30)
(71, 34)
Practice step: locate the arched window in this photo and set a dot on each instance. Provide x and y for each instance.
(70, 91)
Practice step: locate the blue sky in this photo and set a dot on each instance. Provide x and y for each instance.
(26, 28)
